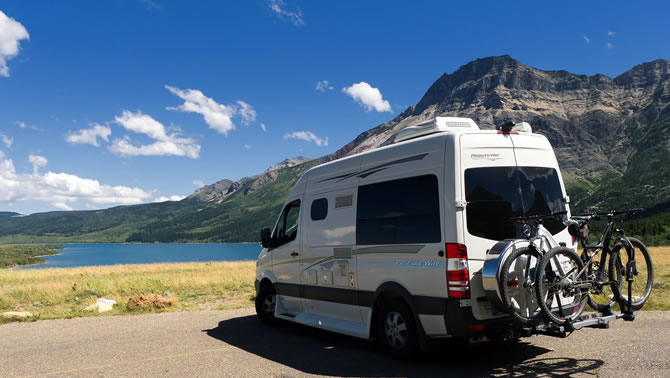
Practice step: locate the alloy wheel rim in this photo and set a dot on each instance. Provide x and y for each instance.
(269, 305)
(395, 329)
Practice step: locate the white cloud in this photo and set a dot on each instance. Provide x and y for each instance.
(248, 147)
(610, 45)
(24, 125)
(307, 136)
(217, 116)
(322, 86)
(6, 140)
(265, 129)
(60, 189)
(166, 144)
(368, 97)
(37, 161)
(11, 32)
(61, 205)
(90, 136)
(586, 39)
(173, 197)
(611, 33)
(199, 183)
(278, 6)
(247, 112)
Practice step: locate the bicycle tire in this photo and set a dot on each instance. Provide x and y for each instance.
(517, 285)
(600, 299)
(618, 274)
(558, 276)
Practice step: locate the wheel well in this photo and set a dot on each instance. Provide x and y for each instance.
(264, 282)
(384, 297)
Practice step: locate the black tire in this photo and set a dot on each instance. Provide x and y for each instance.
(601, 298)
(517, 285)
(643, 278)
(561, 276)
(266, 300)
(397, 331)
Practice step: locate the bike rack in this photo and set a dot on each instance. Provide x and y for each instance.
(591, 320)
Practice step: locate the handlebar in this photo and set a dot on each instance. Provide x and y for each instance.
(585, 217)
(538, 217)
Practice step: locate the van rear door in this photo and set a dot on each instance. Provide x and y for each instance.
(481, 155)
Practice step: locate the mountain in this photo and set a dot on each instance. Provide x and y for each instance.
(8, 214)
(289, 163)
(611, 137)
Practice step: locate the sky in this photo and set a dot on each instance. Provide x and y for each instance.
(117, 102)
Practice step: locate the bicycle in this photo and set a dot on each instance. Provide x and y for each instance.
(517, 278)
(569, 277)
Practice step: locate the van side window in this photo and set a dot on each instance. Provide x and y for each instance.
(319, 209)
(287, 227)
(399, 212)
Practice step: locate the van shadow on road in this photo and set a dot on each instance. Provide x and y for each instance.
(315, 351)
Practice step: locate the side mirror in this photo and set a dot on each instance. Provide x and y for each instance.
(266, 239)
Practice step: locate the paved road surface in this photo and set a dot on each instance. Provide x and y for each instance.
(234, 343)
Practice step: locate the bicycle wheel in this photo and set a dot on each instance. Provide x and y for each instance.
(563, 283)
(517, 285)
(643, 275)
(600, 298)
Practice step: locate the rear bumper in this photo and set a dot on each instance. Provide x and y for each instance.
(462, 323)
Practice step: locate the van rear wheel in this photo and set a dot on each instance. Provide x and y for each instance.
(266, 301)
(396, 330)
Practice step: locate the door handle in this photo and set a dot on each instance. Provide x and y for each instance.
(294, 254)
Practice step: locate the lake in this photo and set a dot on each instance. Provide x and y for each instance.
(114, 254)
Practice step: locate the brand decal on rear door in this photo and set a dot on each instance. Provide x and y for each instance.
(490, 157)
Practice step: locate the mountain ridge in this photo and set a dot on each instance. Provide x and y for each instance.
(611, 137)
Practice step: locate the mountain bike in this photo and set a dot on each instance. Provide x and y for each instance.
(517, 277)
(570, 280)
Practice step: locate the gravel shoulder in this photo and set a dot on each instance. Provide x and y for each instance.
(235, 343)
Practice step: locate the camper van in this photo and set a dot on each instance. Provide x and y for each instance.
(389, 244)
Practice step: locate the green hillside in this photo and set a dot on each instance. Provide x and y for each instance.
(236, 218)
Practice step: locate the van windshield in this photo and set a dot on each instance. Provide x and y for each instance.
(494, 194)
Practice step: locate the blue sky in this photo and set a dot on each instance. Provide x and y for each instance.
(128, 101)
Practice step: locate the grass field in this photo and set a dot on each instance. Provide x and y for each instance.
(63, 293)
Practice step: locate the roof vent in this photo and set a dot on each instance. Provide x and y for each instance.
(436, 125)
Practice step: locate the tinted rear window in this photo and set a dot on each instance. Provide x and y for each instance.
(494, 194)
(399, 212)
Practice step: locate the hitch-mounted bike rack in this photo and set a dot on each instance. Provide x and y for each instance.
(591, 320)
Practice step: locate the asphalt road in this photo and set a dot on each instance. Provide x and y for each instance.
(235, 343)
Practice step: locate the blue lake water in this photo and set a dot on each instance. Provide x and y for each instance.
(114, 254)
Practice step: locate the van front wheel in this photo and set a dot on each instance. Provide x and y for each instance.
(397, 330)
(266, 301)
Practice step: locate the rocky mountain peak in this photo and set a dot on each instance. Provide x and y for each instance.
(287, 163)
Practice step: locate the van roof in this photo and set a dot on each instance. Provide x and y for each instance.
(444, 134)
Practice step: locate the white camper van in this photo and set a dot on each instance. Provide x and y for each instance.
(390, 243)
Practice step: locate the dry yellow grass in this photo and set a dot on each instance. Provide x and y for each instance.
(62, 293)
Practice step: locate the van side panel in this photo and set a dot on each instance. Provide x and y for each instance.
(416, 267)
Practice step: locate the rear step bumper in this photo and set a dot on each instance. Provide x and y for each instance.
(461, 323)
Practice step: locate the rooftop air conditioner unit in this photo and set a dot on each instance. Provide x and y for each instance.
(436, 125)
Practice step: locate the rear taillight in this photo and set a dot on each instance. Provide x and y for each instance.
(458, 274)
